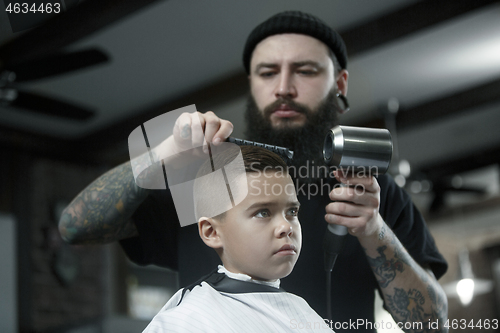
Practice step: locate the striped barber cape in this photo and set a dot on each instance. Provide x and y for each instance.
(218, 304)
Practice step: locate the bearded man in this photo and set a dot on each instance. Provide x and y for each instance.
(296, 66)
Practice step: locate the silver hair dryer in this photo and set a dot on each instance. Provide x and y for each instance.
(358, 151)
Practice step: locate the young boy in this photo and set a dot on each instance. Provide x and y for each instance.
(258, 241)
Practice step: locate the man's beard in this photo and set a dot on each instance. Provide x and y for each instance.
(306, 141)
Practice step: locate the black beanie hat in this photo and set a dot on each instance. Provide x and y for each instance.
(300, 23)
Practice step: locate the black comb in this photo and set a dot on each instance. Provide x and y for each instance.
(285, 153)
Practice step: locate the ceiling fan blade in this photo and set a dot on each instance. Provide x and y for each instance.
(78, 22)
(57, 64)
(49, 106)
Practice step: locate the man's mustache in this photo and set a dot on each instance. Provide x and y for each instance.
(268, 110)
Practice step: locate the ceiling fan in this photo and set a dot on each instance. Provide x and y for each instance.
(45, 67)
(38, 54)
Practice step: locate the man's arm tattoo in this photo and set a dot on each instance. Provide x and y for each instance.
(421, 303)
(385, 269)
(408, 307)
(101, 212)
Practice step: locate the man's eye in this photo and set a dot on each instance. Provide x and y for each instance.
(263, 213)
(267, 74)
(307, 72)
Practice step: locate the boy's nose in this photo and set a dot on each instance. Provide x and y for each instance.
(284, 229)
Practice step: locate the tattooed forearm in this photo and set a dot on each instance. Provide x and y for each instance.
(408, 307)
(411, 294)
(101, 212)
(385, 269)
(440, 304)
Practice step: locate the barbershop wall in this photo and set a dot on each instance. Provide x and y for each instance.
(67, 281)
(58, 286)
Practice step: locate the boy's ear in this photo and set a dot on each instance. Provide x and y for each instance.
(209, 232)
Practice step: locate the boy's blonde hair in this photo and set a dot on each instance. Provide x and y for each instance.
(255, 159)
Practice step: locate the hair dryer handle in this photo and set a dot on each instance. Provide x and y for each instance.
(333, 243)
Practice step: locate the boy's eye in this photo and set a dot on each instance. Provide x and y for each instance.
(263, 213)
(293, 211)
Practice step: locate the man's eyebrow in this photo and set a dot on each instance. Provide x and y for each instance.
(307, 63)
(294, 64)
(265, 65)
(263, 204)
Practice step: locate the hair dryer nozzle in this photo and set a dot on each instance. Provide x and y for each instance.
(358, 149)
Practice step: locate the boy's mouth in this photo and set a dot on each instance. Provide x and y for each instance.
(287, 249)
